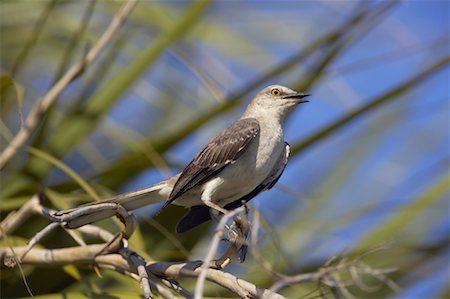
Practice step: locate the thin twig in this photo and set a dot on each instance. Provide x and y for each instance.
(212, 251)
(76, 237)
(139, 264)
(42, 233)
(174, 285)
(37, 112)
(331, 272)
(15, 219)
(96, 232)
(161, 290)
(17, 261)
(256, 252)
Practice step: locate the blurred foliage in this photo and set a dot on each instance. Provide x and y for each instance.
(177, 73)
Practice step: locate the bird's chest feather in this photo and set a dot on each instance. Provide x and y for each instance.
(259, 159)
(270, 146)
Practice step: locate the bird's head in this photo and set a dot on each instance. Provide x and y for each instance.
(277, 99)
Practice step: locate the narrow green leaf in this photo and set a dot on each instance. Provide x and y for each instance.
(69, 171)
(73, 271)
(8, 204)
(38, 28)
(6, 82)
(406, 215)
(60, 201)
(72, 295)
(13, 241)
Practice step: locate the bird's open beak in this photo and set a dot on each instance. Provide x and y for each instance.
(298, 97)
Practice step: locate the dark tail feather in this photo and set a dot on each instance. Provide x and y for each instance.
(200, 214)
(196, 216)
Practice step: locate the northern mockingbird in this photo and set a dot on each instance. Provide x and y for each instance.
(243, 160)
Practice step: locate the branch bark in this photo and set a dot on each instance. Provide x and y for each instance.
(88, 255)
(15, 219)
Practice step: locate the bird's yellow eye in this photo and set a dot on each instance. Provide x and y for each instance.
(275, 92)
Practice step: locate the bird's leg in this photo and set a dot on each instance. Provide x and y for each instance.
(215, 207)
(215, 211)
(215, 214)
(207, 200)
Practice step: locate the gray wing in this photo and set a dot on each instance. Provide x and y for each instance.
(200, 214)
(220, 152)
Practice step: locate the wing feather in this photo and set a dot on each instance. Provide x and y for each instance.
(200, 214)
(220, 152)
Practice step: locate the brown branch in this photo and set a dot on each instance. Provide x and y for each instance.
(16, 218)
(88, 255)
(37, 112)
(127, 262)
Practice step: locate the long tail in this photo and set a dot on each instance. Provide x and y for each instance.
(137, 199)
(96, 211)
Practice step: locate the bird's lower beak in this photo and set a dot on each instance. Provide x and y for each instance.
(298, 97)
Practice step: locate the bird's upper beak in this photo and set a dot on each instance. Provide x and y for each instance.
(297, 96)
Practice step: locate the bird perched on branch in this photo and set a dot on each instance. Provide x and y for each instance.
(243, 160)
